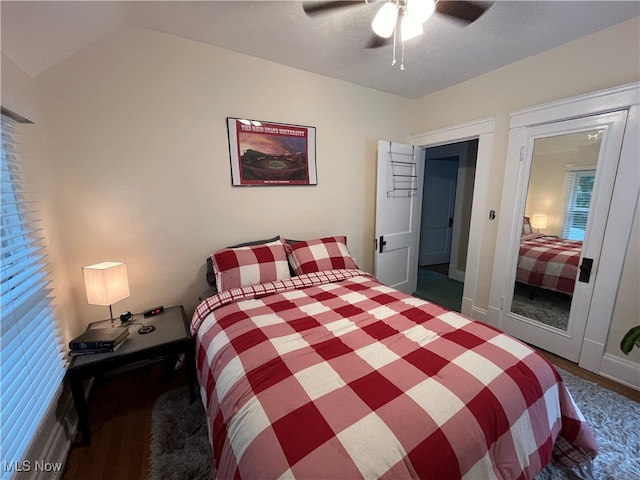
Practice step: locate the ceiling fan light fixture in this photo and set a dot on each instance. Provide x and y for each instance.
(385, 20)
(420, 10)
(410, 28)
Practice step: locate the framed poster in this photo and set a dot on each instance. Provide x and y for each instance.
(267, 153)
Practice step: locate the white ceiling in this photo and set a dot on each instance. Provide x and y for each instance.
(37, 35)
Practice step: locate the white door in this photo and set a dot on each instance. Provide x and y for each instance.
(580, 157)
(439, 198)
(398, 206)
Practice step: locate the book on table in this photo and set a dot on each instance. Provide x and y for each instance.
(98, 338)
(94, 351)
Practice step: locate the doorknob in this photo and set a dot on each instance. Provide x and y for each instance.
(382, 243)
(585, 270)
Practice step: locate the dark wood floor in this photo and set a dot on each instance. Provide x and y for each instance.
(120, 412)
(592, 377)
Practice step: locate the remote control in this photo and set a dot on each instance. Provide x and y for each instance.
(153, 311)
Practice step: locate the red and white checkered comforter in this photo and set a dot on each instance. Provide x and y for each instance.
(335, 375)
(549, 262)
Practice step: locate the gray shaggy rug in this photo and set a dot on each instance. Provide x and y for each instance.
(180, 448)
(548, 307)
(615, 421)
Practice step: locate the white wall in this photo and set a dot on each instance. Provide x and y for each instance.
(602, 60)
(627, 310)
(136, 133)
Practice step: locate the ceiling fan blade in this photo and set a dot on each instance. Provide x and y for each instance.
(464, 11)
(314, 8)
(376, 41)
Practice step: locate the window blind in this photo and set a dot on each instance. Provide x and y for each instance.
(31, 359)
(578, 190)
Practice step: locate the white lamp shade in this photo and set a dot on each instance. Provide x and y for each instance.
(106, 283)
(385, 20)
(539, 221)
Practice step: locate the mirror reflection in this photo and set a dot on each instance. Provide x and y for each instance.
(554, 226)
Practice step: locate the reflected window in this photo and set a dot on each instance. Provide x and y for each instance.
(579, 187)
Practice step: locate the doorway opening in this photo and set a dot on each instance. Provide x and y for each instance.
(449, 177)
(397, 244)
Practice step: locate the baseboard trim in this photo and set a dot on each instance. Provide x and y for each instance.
(48, 452)
(479, 314)
(456, 274)
(620, 370)
(57, 449)
(53, 441)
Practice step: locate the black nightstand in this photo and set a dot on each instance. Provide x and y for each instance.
(170, 337)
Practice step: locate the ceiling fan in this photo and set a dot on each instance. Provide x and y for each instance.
(403, 16)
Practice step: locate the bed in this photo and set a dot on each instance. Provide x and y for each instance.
(327, 373)
(548, 262)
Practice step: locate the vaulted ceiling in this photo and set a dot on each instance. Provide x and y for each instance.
(37, 35)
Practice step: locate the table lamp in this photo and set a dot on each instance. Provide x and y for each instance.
(106, 283)
(539, 221)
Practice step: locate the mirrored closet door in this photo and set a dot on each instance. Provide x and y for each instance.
(565, 177)
(554, 225)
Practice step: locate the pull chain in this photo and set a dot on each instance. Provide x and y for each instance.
(402, 60)
(393, 61)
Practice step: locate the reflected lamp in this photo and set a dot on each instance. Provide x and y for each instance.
(106, 283)
(539, 221)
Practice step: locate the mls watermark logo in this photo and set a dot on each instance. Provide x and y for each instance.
(29, 466)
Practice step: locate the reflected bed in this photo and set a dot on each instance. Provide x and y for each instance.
(548, 262)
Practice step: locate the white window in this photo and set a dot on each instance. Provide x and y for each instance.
(31, 362)
(579, 187)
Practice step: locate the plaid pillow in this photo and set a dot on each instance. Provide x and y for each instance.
(250, 265)
(328, 253)
(211, 275)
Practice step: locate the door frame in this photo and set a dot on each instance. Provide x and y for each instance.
(618, 229)
(481, 129)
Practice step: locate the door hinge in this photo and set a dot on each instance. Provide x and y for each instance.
(522, 153)
(375, 244)
(501, 303)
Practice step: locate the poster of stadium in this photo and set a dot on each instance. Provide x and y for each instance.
(266, 153)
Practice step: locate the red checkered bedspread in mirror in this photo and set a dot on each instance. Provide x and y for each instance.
(334, 375)
(549, 262)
